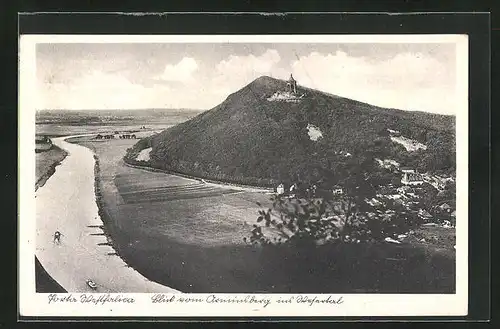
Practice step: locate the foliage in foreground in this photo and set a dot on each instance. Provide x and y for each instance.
(313, 221)
(307, 218)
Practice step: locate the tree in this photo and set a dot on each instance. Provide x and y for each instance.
(305, 220)
(428, 196)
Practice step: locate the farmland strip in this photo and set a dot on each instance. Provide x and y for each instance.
(177, 197)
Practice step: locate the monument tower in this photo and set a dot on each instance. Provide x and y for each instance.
(292, 85)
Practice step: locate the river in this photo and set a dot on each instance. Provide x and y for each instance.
(67, 203)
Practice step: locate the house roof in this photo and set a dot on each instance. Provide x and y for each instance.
(412, 177)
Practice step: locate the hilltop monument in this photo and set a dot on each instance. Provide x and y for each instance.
(292, 85)
(273, 140)
(290, 95)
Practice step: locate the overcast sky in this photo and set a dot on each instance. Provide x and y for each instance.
(200, 76)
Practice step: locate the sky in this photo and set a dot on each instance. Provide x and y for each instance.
(201, 75)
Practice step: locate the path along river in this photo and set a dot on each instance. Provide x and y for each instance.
(67, 203)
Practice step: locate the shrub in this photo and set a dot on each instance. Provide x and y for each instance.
(307, 218)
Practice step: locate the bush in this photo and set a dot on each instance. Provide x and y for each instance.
(303, 220)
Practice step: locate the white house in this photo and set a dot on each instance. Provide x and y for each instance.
(337, 190)
(280, 189)
(410, 177)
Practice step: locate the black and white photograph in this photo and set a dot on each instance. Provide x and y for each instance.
(287, 175)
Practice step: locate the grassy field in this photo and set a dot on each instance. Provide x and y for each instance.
(167, 206)
(189, 236)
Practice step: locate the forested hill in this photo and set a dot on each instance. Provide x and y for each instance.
(260, 135)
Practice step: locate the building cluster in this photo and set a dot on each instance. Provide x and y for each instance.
(438, 182)
(408, 195)
(112, 136)
(290, 190)
(109, 136)
(410, 176)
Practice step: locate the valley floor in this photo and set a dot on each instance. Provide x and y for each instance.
(187, 235)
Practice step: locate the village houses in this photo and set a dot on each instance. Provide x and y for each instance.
(410, 177)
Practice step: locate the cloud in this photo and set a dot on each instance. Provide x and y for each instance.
(99, 90)
(236, 71)
(181, 72)
(410, 81)
(250, 63)
(407, 80)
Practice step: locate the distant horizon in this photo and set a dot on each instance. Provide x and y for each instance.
(200, 110)
(129, 109)
(406, 76)
(187, 110)
(203, 110)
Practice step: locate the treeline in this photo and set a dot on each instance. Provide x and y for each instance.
(132, 152)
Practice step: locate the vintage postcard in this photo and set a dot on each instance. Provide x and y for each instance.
(244, 175)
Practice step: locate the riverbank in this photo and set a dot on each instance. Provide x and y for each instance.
(107, 227)
(46, 163)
